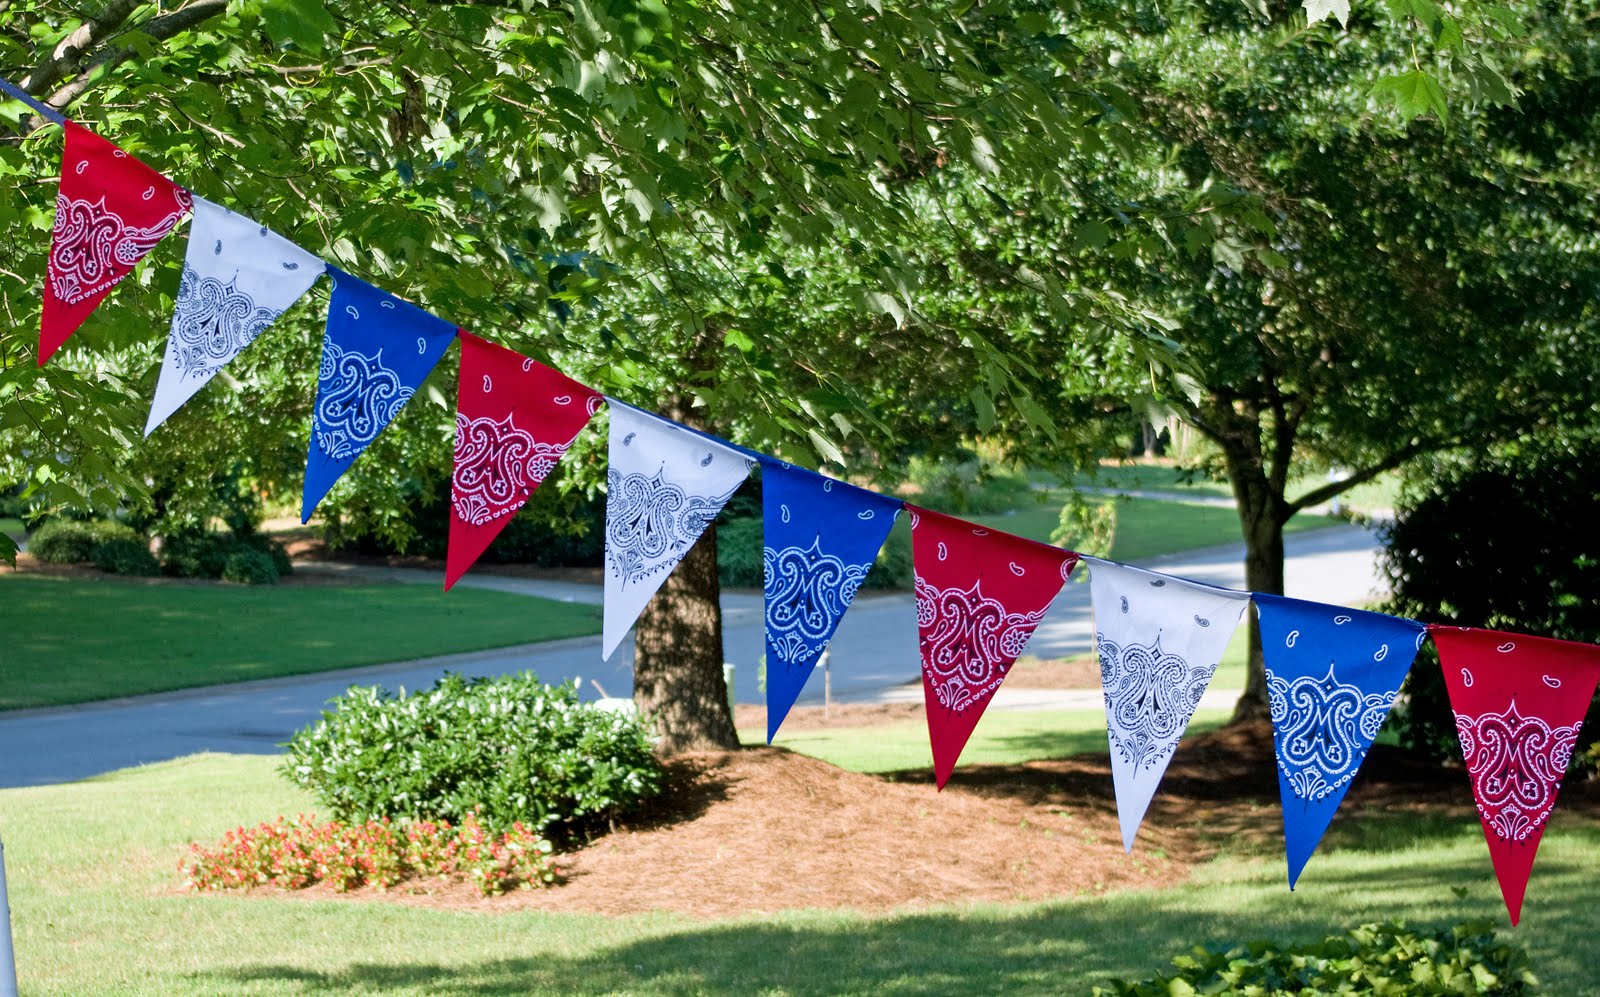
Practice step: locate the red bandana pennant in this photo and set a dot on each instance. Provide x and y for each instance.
(1519, 702)
(980, 594)
(515, 418)
(110, 211)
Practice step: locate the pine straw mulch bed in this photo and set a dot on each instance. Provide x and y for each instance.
(765, 829)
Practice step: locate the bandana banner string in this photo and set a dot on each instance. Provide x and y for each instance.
(820, 539)
(238, 278)
(111, 210)
(376, 351)
(1332, 674)
(1519, 703)
(39, 107)
(980, 595)
(1159, 639)
(665, 485)
(515, 419)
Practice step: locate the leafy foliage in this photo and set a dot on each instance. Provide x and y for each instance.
(250, 566)
(1498, 541)
(126, 556)
(507, 749)
(69, 541)
(1387, 960)
(208, 555)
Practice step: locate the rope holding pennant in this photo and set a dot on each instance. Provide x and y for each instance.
(39, 107)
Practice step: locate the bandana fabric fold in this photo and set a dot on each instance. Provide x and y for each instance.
(238, 278)
(111, 210)
(376, 351)
(515, 419)
(1159, 639)
(665, 484)
(1519, 703)
(820, 539)
(1332, 674)
(980, 595)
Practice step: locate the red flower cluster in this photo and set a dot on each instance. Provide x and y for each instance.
(300, 853)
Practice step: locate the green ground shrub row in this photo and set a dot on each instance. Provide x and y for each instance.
(117, 548)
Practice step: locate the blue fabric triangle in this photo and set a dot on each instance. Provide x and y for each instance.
(821, 537)
(376, 352)
(1332, 674)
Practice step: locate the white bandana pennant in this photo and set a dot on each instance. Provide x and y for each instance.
(665, 485)
(238, 277)
(1159, 640)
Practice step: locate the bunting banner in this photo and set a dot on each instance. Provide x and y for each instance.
(1332, 674)
(1159, 640)
(376, 351)
(665, 485)
(980, 595)
(238, 278)
(111, 210)
(1519, 702)
(821, 537)
(515, 419)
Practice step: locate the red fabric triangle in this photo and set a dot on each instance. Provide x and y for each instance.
(980, 595)
(1519, 702)
(515, 418)
(111, 210)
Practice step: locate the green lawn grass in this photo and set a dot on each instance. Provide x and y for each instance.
(1146, 528)
(12, 526)
(1002, 737)
(81, 639)
(95, 909)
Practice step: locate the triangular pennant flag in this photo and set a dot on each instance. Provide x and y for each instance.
(515, 418)
(1332, 674)
(238, 277)
(110, 211)
(1159, 640)
(376, 351)
(821, 537)
(980, 595)
(665, 485)
(1519, 702)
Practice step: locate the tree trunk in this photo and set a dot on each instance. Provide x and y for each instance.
(1261, 516)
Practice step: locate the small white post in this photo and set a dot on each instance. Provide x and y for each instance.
(827, 686)
(8, 959)
(727, 677)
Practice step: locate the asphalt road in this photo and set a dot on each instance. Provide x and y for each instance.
(873, 657)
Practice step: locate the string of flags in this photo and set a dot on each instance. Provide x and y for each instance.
(1332, 673)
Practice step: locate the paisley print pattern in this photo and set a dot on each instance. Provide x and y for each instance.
(92, 247)
(357, 396)
(497, 466)
(968, 641)
(807, 591)
(212, 323)
(1516, 763)
(1323, 728)
(651, 522)
(1150, 696)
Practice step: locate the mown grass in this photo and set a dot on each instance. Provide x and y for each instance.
(95, 909)
(73, 640)
(1003, 737)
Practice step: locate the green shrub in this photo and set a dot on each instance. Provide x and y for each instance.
(67, 541)
(1387, 960)
(126, 556)
(519, 750)
(248, 566)
(1497, 542)
(739, 553)
(971, 487)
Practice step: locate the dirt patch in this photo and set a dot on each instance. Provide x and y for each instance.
(1081, 672)
(765, 829)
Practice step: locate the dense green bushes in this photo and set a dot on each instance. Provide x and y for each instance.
(519, 750)
(126, 556)
(1506, 542)
(71, 541)
(250, 559)
(1386, 960)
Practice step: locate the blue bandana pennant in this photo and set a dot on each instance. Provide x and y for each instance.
(821, 538)
(377, 350)
(1332, 674)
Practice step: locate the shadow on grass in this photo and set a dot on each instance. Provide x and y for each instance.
(1051, 948)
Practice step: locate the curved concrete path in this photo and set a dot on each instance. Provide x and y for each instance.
(873, 657)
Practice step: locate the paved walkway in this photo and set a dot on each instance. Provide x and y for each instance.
(873, 658)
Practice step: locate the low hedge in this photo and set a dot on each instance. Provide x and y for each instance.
(70, 541)
(509, 749)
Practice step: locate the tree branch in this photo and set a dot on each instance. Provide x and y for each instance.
(159, 28)
(64, 60)
(1332, 488)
